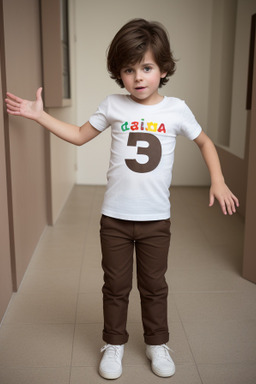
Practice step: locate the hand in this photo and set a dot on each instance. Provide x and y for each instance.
(25, 108)
(227, 200)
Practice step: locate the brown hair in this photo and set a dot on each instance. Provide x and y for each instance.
(130, 44)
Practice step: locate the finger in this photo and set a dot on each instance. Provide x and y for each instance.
(39, 93)
(223, 207)
(230, 208)
(222, 204)
(211, 200)
(13, 110)
(233, 203)
(236, 201)
(13, 97)
(11, 103)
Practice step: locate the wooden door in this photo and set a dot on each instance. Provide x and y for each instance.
(249, 259)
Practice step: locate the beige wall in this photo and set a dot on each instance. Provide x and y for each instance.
(63, 155)
(27, 151)
(189, 26)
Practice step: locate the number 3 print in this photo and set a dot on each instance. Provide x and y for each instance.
(153, 151)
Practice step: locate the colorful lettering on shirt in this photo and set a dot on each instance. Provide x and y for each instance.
(125, 127)
(162, 128)
(152, 127)
(139, 126)
(135, 126)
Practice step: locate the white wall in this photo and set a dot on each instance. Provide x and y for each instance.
(189, 25)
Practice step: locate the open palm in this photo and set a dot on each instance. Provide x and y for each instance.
(25, 108)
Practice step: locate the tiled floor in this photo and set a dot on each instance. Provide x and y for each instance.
(52, 330)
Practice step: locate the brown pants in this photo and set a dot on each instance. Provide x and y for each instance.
(151, 240)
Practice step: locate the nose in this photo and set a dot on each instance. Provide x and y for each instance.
(138, 75)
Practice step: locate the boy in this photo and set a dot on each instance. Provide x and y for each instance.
(136, 207)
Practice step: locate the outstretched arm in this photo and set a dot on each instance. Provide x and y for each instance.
(219, 190)
(34, 110)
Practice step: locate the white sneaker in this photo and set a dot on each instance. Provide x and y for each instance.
(161, 362)
(111, 362)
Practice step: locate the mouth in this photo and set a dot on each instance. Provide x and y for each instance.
(140, 88)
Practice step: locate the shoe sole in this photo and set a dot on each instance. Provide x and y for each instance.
(162, 374)
(110, 375)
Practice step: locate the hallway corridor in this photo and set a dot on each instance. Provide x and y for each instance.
(51, 333)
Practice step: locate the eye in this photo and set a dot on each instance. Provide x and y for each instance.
(128, 71)
(147, 68)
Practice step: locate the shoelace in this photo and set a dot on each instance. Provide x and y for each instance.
(112, 350)
(162, 351)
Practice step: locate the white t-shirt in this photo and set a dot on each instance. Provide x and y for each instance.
(142, 154)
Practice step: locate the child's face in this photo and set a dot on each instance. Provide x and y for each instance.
(142, 80)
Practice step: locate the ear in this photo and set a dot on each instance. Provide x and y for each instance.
(163, 75)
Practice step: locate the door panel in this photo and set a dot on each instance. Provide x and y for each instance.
(249, 260)
(5, 254)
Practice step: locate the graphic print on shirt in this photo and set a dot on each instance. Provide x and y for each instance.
(140, 126)
(153, 150)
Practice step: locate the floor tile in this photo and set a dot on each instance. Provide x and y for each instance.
(59, 238)
(33, 345)
(56, 258)
(207, 280)
(42, 308)
(192, 237)
(222, 257)
(92, 254)
(179, 344)
(222, 342)
(223, 232)
(62, 281)
(89, 308)
(215, 306)
(34, 375)
(91, 280)
(237, 373)
(87, 345)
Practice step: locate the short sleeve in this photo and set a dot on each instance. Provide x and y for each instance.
(99, 119)
(189, 126)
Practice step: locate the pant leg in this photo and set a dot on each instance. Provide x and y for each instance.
(152, 246)
(117, 263)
